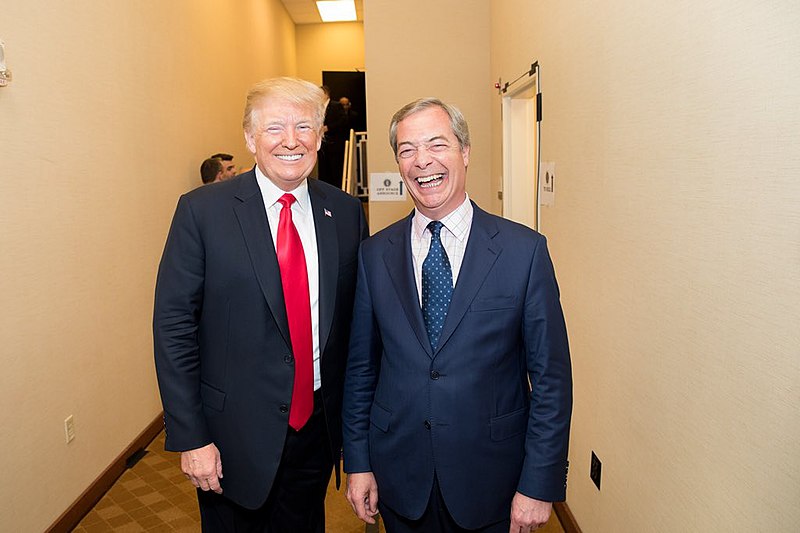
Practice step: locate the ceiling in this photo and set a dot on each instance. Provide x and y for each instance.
(305, 11)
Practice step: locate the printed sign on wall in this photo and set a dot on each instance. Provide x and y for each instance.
(386, 187)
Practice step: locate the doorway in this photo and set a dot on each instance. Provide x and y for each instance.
(350, 85)
(521, 154)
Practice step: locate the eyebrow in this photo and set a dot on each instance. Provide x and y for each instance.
(436, 138)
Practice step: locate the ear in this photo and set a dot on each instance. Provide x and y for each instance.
(250, 142)
(465, 155)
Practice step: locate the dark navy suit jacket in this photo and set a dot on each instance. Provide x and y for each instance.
(222, 349)
(465, 410)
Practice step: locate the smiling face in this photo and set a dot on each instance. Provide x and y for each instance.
(431, 162)
(284, 137)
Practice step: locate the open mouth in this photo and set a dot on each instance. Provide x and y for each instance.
(289, 157)
(427, 182)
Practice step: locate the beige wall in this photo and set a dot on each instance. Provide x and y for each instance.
(420, 48)
(112, 108)
(335, 46)
(676, 239)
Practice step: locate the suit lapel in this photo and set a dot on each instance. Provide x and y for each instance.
(255, 228)
(479, 257)
(401, 270)
(328, 258)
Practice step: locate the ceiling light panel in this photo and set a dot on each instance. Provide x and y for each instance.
(336, 10)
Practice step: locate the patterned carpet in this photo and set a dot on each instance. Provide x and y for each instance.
(154, 495)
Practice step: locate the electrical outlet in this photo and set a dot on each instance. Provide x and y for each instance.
(69, 428)
(595, 470)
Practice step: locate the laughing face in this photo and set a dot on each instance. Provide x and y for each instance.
(284, 138)
(432, 164)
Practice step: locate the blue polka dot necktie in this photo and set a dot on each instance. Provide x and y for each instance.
(437, 285)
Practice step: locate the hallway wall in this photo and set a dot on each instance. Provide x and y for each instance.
(112, 108)
(330, 46)
(418, 48)
(676, 238)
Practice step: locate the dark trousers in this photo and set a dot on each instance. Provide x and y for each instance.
(296, 502)
(435, 519)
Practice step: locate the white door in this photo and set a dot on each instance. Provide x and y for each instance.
(520, 154)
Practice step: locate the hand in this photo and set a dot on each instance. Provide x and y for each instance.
(528, 514)
(203, 467)
(362, 493)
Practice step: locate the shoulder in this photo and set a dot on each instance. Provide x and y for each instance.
(396, 233)
(217, 192)
(504, 229)
(332, 194)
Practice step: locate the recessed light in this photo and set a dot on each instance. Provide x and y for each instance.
(336, 10)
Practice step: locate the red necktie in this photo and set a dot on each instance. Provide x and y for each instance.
(294, 278)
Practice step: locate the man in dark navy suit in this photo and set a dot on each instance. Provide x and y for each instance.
(458, 393)
(252, 317)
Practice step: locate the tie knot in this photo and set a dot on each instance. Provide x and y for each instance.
(435, 228)
(287, 200)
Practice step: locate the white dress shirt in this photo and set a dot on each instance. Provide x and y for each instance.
(454, 235)
(303, 219)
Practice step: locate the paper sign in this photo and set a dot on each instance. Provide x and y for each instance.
(386, 187)
(547, 183)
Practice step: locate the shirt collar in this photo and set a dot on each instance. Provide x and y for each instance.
(272, 192)
(461, 231)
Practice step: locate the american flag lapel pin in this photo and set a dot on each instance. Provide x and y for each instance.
(328, 213)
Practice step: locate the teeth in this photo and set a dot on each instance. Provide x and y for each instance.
(429, 181)
(292, 157)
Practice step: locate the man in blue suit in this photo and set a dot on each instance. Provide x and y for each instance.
(252, 318)
(458, 391)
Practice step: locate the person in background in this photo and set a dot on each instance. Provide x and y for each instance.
(228, 166)
(211, 170)
(331, 154)
(458, 391)
(251, 324)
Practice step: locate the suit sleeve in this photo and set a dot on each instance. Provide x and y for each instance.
(176, 316)
(545, 336)
(361, 377)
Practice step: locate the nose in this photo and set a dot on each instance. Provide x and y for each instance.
(290, 138)
(423, 157)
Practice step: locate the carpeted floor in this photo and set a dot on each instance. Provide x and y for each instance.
(154, 495)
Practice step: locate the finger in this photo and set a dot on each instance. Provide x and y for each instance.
(373, 500)
(358, 507)
(371, 505)
(213, 484)
(362, 510)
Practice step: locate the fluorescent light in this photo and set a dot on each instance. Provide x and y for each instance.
(336, 10)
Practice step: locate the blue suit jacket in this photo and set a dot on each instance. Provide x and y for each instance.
(222, 348)
(465, 410)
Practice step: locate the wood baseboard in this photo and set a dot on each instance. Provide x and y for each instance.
(568, 522)
(86, 501)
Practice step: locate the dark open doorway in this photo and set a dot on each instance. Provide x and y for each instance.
(352, 86)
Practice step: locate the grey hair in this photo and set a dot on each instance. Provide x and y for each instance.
(293, 90)
(457, 121)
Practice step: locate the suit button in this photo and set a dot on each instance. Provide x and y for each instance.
(284, 408)
(288, 359)
(435, 374)
(427, 424)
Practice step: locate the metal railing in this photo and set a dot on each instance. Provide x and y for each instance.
(354, 171)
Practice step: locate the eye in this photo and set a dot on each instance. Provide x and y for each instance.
(407, 152)
(274, 129)
(439, 147)
(303, 127)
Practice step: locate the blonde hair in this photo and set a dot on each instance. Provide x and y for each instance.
(293, 90)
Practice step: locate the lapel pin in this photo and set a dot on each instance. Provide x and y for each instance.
(327, 213)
